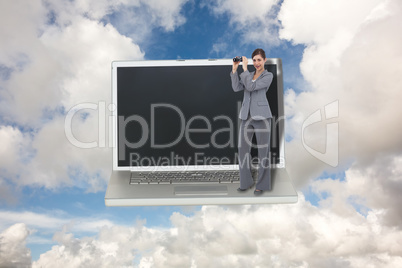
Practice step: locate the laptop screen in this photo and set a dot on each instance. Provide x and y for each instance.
(183, 113)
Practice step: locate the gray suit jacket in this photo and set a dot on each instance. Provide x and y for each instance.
(255, 99)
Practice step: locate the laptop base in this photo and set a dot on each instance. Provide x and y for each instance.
(121, 193)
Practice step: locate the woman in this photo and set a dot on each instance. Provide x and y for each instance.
(255, 115)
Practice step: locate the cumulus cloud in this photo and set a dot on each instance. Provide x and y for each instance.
(166, 14)
(356, 65)
(13, 152)
(13, 250)
(115, 246)
(292, 235)
(21, 34)
(298, 235)
(61, 63)
(30, 229)
(310, 22)
(373, 188)
(57, 55)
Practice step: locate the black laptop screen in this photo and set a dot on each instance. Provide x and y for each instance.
(182, 115)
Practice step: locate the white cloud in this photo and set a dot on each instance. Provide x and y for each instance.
(19, 43)
(333, 234)
(372, 188)
(319, 22)
(298, 235)
(115, 246)
(357, 65)
(13, 251)
(53, 221)
(127, 13)
(243, 12)
(12, 153)
(255, 20)
(166, 13)
(70, 65)
(81, 55)
(138, 19)
(20, 35)
(56, 56)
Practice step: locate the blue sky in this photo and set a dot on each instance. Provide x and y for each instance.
(56, 55)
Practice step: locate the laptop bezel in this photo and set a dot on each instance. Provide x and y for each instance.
(200, 62)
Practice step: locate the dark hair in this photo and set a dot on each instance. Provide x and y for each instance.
(259, 51)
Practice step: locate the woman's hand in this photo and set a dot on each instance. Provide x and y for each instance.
(245, 63)
(235, 65)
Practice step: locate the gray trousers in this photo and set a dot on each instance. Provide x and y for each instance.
(262, 130)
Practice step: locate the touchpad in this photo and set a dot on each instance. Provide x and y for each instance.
(201, 190)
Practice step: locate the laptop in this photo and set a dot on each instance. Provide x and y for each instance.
(175, 135)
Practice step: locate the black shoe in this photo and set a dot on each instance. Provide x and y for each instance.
(259, 192)
(241, 190)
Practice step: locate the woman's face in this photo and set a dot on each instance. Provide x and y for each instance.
(259, 62)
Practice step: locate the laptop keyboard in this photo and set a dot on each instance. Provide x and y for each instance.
(168, 177)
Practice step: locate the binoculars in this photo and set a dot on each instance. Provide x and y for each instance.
(238, 58)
